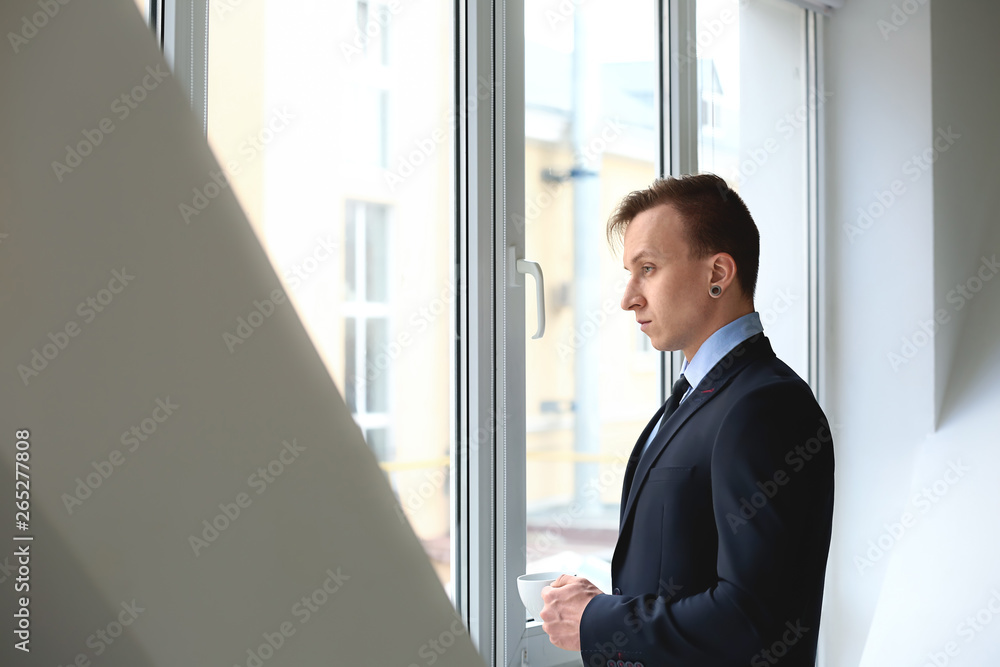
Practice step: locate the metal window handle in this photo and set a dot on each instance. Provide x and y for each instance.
(526, 266)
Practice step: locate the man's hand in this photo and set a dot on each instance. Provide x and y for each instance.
(565, 601)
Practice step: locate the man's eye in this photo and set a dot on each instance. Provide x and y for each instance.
(646, 270)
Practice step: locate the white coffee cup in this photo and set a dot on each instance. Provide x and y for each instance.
(530, 586)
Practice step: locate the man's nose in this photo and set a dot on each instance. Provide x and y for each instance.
(630, 299)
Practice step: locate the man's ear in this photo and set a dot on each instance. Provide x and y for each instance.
(724, 271)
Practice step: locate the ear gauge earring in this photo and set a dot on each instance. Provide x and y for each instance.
(715, 291)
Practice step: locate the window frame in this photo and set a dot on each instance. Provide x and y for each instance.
(493, 486)
(493, 472)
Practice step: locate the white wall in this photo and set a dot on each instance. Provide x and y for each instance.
(906, 568)
(966, 196)
(950, 555)
(878, 286)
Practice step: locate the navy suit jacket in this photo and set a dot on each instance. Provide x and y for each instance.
(725, 527)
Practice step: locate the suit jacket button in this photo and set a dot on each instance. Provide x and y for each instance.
(616, 591)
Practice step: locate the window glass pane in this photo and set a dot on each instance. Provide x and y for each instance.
(373, 27)
(376, 256)
(378, 440)
(377, 385)
(341, 157)
(752, 132)
(350, 361)
(592, 383)
(363, 21)
(351, 249)
(367, 114)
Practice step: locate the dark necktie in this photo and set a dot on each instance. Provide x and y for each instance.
(676, 394)
(670, 407)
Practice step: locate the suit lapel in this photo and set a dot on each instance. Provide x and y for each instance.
(633, 461)
(663, 438)
(710, 386)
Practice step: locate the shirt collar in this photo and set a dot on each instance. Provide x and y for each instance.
(718, 345)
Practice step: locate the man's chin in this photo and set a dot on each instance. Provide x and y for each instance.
(663, 345)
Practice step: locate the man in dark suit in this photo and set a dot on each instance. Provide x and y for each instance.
(727, 501)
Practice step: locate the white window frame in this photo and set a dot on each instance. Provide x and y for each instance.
(491, 475)
(490, 147)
